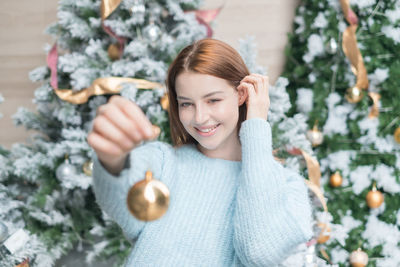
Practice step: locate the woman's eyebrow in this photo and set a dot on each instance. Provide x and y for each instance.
(207, 95)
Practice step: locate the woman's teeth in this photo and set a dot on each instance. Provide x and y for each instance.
(208, 130)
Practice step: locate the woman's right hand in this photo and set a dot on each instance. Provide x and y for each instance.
(119, 126)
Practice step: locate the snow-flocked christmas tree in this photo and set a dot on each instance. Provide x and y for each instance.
(46, 185)
(360, 144)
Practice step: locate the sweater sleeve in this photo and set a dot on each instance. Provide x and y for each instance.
(272, 210)
(111, 191)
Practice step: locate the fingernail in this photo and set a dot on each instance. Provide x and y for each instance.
(156, 130)
(149, 131)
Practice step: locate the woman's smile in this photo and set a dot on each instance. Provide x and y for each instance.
(207, 131)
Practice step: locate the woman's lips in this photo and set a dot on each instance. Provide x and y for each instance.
(207, 133)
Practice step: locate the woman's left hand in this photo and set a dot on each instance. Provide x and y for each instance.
(257, 101)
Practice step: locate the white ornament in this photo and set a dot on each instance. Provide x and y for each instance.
(358, 258)
(152, 32)
(331, 47)
(310, 259)
(66, 169)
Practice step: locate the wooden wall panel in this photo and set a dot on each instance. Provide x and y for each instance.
(22, 39)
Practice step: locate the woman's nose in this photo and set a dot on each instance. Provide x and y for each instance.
(201, 115)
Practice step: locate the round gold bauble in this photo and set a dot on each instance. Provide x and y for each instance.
(374, 198)
(148, 199)
(315, 136)
(164, 102)
(113, 52)
(354, 94)
(358, 258)
(397, 135)
(324, 235)
(336, 180)
(88, 168)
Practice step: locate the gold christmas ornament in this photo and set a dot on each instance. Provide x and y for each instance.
(113, 52)
(358, 258)
(325, 231)
(164, 102)
(148, 199)
(88, 168)
(374, 198)
(315, 136)
(354, 94)
(335, 180)
(397, 135)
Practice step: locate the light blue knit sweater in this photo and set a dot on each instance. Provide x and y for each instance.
(221, 213)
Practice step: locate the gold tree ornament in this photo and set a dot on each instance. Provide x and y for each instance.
(113, 52)
(88, 168)
(148, 199)
(396, 135)
(374, 198)
(315, 136)
(358, 258)
(164, 102)
(336, 179)
(354, 94)
(324, 232)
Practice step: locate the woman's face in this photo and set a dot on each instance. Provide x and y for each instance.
(208, 110)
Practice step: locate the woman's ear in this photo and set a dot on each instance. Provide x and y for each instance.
(242, 95)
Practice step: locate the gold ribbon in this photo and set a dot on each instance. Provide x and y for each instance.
(374, 113)
(107, 7)
(314, 180)
(102, 86)
(314, 175)
(350, 49)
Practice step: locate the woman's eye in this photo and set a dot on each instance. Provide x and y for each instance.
(183, 105)
(214, 100)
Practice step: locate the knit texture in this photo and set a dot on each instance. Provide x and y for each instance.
(221, 212)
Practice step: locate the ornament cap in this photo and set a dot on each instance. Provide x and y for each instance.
(149, 176)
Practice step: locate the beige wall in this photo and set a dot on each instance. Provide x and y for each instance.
(22, 40)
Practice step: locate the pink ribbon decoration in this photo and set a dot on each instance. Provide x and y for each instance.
(121, 40)
(352, 17)
(52, 59)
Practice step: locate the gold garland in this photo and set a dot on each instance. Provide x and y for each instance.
(314, 175)
(108, 6)
(102, 86)
(352, 52)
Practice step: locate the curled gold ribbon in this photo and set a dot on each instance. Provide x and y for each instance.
(314, 181)
(102, 86)
(352, 52)
(108, 6)
(350, 47)
(374, 113)
(314, 175)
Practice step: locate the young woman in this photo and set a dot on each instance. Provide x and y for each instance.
(231, 203)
